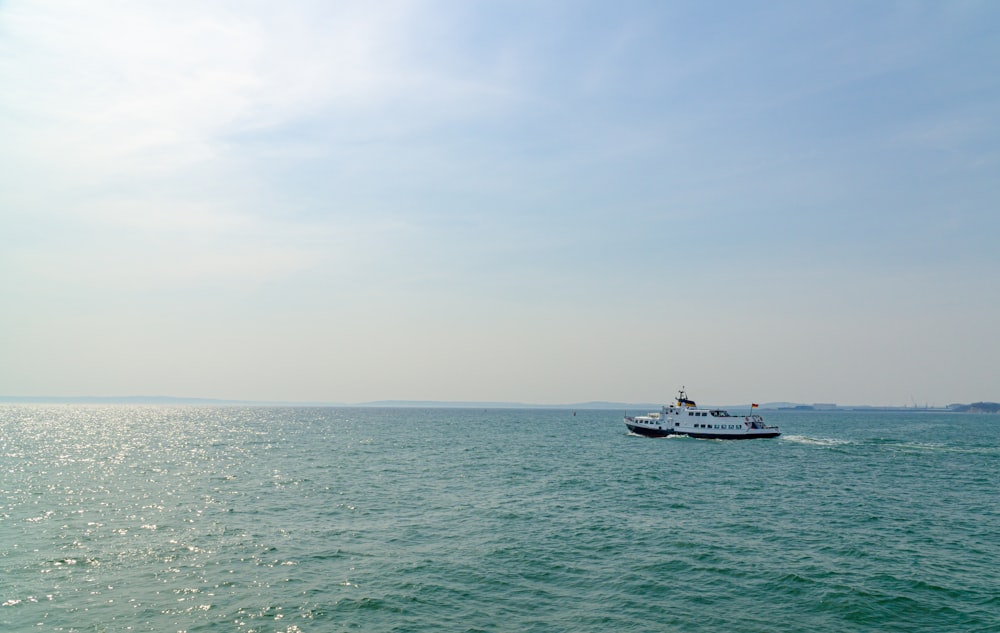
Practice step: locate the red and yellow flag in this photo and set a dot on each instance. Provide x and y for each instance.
(754, 406)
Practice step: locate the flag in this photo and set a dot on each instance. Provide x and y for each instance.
(754, 406)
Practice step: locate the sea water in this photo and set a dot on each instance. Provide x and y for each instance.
(132, 518)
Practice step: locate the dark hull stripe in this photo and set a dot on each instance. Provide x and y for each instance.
(641, 430)
(648, 432)
(754, 436)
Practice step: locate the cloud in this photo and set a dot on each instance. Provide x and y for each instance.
(123, 123)
(108, 83)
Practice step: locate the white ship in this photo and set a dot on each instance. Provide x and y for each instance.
(685, 418)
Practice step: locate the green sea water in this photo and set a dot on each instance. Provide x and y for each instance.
(131, 518)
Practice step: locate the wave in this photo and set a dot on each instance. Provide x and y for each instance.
(816, 441)
(891, 444)
(926, 447)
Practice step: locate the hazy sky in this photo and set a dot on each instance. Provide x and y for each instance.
(526, 201)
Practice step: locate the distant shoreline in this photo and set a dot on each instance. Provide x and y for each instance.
(976, 407)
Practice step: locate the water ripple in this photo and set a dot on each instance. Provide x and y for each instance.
(295, 520)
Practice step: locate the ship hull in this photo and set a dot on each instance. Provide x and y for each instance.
(735, 436)
(648, 432)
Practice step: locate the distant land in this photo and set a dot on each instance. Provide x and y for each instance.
(975, 407)
(436, 404)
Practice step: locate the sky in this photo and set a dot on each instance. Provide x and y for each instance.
(542, 202)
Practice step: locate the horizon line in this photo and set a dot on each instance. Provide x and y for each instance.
(389, 403)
